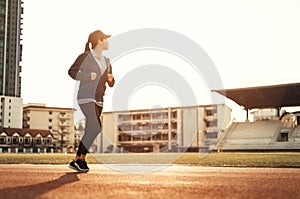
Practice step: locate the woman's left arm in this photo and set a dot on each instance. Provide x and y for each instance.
(110, 78)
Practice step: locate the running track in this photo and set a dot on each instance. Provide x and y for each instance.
(165, 181)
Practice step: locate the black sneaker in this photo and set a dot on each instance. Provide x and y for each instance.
(81, 165)
(72, 165)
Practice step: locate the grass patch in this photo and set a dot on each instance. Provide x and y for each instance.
(244, 159)
(212, 159)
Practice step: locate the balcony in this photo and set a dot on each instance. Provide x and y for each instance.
(145, 137)
(64, 124)
(211, 117)
(143, 117)
(159, 116)
(212, 129)
(64, 116)
(123, 118)
(143, 142)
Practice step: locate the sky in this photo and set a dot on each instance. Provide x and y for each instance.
(251, 43)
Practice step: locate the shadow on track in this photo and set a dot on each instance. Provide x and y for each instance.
(35, 190)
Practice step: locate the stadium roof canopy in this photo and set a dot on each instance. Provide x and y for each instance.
(275, 96)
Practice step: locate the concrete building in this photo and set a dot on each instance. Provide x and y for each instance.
(10, 47)
(11, 112)
(60, 121)
(165, 129)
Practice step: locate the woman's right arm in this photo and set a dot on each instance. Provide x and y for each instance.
(77, 70)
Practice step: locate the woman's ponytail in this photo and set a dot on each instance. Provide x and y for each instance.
(87, 46)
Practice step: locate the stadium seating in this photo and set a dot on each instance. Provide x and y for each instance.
(255, 136)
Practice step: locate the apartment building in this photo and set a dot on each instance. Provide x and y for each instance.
(10, 47)
(11, 112)
(60, 121)
(166, 129)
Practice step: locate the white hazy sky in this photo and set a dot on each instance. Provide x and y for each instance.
(251, 42)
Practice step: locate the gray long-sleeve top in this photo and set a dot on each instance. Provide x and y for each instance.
(81, 70)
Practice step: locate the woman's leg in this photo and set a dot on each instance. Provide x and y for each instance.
(92, 114)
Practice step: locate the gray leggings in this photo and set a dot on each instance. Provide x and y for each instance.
(92, 113)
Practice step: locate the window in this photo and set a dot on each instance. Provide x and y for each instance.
(211, 112)
(212, 135)
(157, 136)
(136, 117)
(136, 138)
(3, 140)
(126, 117)
(38, 141)
(165, 126)
(212, 123)
(15, 140)
(165, 136)
(49, 141)
(145, 116)
(27, 141)
(174, 125)
(174, 114)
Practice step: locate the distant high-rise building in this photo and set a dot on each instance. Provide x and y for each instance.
(10, 47)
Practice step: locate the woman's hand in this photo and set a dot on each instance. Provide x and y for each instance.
(93, 76)
(110, 80)
(110, 77)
